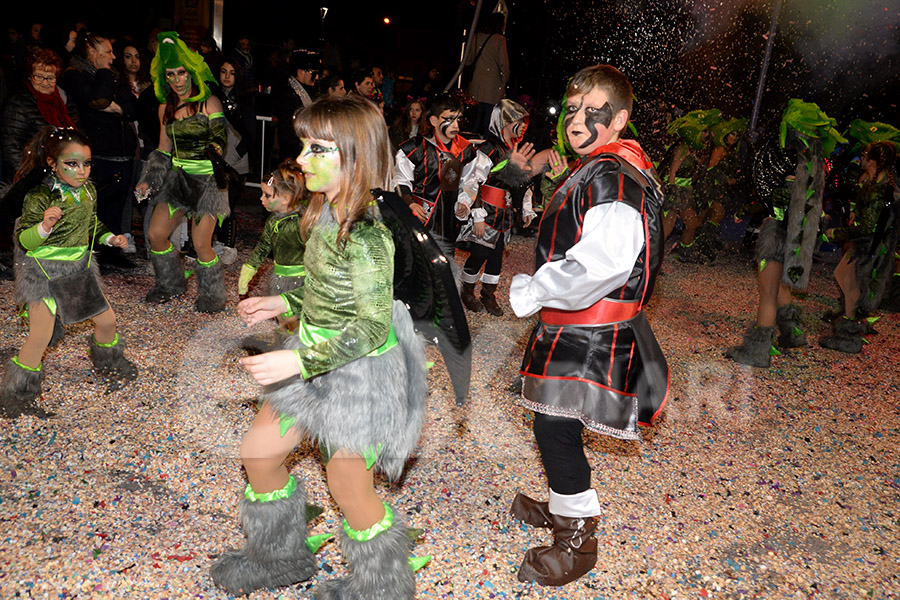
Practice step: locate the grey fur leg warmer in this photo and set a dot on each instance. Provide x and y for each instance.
(846, 337)
(110, 361)
(169, 277)
(755, 349)
(275, 554)
(210, 288)
(790, 326)
(379, 568)
(19, 390)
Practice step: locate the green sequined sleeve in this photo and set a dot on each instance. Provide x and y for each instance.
(218, 132)
(33, 207)
(369, 258)
(264, 245)
(870, 201)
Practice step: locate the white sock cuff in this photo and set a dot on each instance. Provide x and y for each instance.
(490, 279)
(468, 277)
(581, 505)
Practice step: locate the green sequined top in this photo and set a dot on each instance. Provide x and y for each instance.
(349, 288)
(867, 206)
(190, 136)
(281, 236)
(75, 227)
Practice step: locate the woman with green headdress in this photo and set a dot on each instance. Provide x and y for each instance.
(788, 237)
(179, 178)
(681, 174)
(721, 172)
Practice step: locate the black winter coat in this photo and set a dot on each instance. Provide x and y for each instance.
(110, 133)
(22, 120)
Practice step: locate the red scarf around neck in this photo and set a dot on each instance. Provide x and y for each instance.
(53, 109)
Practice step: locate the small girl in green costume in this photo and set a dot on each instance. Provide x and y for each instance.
(353, 378)
(53, 238)
(284, 194)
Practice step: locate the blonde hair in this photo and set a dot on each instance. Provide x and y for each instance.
(288, 180)
(358, 130)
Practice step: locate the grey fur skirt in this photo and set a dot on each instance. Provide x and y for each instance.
(196, 195)
(31, 282)
(279, 284)
(374, 401)
(771, 241)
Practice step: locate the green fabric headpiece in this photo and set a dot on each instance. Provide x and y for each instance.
(723, 129)
(867, 132)
(172, 53)
(808, 119)
(691, 126)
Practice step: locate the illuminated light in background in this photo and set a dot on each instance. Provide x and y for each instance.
(387, 20)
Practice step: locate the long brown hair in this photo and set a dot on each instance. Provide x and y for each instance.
(358, 130)
(173, 103)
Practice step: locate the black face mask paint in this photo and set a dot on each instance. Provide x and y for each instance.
(571, 111)
(602, 116)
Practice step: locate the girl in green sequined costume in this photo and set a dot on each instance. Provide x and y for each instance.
(179, 177)
(284, 194)
(54, 237)
(353, 378)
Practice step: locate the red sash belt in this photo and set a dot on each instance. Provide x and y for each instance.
(604, 311)
(493, 196)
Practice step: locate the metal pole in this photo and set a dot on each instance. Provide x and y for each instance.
(217, 23)
(466, 46)
(754, 117)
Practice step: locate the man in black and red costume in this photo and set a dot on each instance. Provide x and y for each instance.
(437, 171)
(592, 360)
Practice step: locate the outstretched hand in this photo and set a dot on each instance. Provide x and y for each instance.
(271, 367)
(558, 164)
(521, 156)
(118, 241)
(259, 308)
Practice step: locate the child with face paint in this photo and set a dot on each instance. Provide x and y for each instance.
(284, 194)
(351, 334)
(54, 237)
(180, 177)
(592, 360)
(503, 166)
(435, 173)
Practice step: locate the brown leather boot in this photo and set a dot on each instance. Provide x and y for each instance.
(488, 300)
(467, 295)
(573, 553)
(532, 512)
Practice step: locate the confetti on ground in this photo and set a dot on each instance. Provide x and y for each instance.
(757, 484)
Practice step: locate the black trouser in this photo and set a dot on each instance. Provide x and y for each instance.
(226, 232)
(562, 452)
(479, 255)
(113, 181)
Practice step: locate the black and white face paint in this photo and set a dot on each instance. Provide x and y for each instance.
(589, 121)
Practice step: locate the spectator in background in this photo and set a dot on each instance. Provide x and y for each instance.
(210, 52)
(105, 115)
(363, 83)
(427, 87)
(410, 123)
(488, 54)
(293, 94)
(333, 85)
(243, 55)
(38, 104)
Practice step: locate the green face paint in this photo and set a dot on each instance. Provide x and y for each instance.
(272, 202)
(73, 165)
(321, 164)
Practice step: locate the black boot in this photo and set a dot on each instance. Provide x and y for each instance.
(20, 389)
(277, 552)
(846, 336)
(379, 563)
(573, 553)
(488, 299)
(169, 276)
(210, 287)
(756, 348)
(467, 295)
(789, 322)
(891, 299)
(109, 360)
